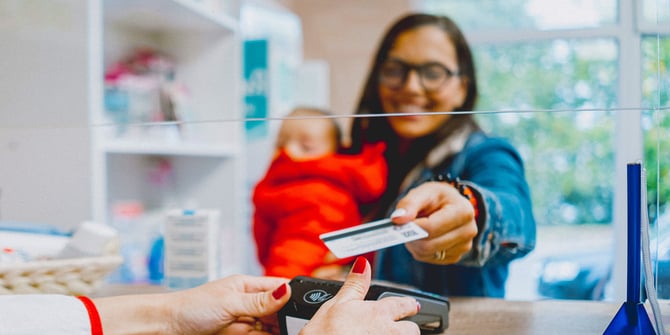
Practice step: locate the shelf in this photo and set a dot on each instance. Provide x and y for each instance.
(143, 147)
(168, 15)
(205, 160)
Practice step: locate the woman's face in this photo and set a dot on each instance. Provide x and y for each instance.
(431, 47)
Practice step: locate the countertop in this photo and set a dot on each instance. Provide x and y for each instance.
(484, 316)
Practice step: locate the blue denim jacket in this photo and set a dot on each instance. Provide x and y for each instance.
(494, 169)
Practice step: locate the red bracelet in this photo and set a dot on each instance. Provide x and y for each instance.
(464, 190)
(96, 324)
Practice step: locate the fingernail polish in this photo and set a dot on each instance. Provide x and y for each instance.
(359, 265)
(398, 212)
(279, 291)
(418, 307)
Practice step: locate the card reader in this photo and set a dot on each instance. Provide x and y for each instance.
(308, 294)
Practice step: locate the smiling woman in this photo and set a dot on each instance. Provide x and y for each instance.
(422, 73)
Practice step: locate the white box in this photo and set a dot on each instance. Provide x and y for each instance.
(191, 247)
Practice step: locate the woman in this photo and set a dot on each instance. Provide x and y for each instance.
(234, 305)
(424, 68)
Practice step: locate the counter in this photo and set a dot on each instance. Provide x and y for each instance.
(483, 316)
(487, 316)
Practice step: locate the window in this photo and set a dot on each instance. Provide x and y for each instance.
(584, 72)
(558, 75)
(491, 15)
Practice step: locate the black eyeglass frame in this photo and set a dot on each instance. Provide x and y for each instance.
(420, 70)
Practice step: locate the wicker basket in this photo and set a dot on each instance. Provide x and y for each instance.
(73, 276)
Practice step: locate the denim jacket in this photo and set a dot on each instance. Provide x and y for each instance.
(494, 170)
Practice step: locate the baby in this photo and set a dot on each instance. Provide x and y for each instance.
(309, 189)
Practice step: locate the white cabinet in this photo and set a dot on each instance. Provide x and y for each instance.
(195, 162)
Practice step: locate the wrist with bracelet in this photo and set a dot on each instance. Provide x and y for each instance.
(463, 189)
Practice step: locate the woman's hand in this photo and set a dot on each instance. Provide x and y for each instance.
(445, 214)
(347, 312)
(236, 304)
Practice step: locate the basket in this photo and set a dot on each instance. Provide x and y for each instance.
(72, 276)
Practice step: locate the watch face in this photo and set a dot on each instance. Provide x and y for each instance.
(294, 325)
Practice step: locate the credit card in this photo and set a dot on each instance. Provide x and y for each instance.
(370, 236)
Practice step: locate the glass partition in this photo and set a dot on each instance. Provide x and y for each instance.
(563, 100)
(568, 165)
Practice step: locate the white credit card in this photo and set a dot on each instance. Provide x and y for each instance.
(370, 237)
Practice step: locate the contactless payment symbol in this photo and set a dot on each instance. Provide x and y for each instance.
(316, 296)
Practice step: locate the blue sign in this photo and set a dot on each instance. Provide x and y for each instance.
(256, 88)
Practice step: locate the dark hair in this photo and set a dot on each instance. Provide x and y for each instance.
(374, 129)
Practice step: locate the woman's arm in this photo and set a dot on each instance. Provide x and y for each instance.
(236, 304)
(494, 171)
(504, 228)
(233, 302)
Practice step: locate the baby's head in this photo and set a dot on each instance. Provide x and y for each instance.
(309, 133)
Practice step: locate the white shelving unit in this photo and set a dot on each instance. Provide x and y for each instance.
(206, 163)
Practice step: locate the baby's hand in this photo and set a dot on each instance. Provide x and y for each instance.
(332, 272)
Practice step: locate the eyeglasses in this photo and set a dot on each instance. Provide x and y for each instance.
(393, 74)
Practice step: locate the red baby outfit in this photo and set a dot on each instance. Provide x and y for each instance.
(297, 201)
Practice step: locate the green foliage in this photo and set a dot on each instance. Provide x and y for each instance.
(656, 120)
(568, 153)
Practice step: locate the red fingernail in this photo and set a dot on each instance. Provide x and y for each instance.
(418, 307)
(359, 265)
(279, 291)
